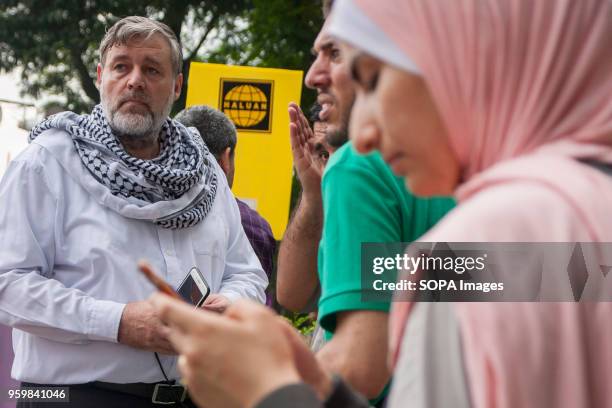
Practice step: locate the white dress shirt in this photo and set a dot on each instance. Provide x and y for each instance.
(68, 253)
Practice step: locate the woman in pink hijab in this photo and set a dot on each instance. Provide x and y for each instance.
(507, 104)
(500, 103)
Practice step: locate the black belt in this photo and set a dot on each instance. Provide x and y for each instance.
(160, 393)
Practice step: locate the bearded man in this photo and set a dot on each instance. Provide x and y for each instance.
(356, 199)
(90, 196)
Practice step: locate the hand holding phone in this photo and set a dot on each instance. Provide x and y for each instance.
(193, 289)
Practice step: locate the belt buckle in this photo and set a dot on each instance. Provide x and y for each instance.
(160, 386)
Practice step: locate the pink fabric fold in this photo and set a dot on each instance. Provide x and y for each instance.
(525, 90)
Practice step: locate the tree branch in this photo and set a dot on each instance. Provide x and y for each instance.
(175, 16)
(211, 24)
(87, 83)
(180, 102)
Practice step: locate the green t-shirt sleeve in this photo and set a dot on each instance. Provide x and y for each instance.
(359, 206)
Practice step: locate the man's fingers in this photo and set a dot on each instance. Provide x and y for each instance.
(216, 304)
(311, 147)
(167, 348)
(296, 130)
(182, 316)
(164, 330)
(214, 308)
(162, 343)
(180, 341)
(188, 324)
(305, 126)
(303, 119)
(173, 312)
(305, 361)
(293, 114)
(294, 136)
(300, 119)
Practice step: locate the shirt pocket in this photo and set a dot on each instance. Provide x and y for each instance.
(209, 240)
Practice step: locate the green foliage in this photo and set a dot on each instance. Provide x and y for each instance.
(280, 33)
(302, 322)
(55, 42)
(277, 33)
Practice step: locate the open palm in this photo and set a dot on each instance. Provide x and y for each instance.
(308, 167)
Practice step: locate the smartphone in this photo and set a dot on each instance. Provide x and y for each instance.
(194, 289)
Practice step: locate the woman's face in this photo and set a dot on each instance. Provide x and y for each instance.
(395, 113)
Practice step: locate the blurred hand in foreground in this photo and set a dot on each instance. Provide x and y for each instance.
(236, 359)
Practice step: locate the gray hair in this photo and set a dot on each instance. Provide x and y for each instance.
(216, 129)
(137, 27)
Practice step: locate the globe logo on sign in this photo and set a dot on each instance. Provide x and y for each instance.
(247, 104)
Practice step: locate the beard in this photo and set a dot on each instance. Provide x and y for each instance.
(338, 136)
(135, 125)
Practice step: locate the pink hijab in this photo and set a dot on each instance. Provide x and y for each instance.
(525, 89)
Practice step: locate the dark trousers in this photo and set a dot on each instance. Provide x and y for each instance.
(88, 396)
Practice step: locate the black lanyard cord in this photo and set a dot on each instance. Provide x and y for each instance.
(168, 381)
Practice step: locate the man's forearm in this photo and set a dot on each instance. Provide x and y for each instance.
(358, 351)
(141, 328)
(39, 305)
(297, 277)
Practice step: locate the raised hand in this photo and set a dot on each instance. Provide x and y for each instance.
(308, 166)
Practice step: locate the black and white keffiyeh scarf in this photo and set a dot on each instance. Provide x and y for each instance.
(184, 160)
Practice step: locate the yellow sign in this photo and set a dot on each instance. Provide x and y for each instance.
(256, 100)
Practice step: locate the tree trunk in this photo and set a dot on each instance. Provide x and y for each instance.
(87, 82)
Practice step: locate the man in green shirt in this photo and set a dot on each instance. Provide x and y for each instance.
(361, 201)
